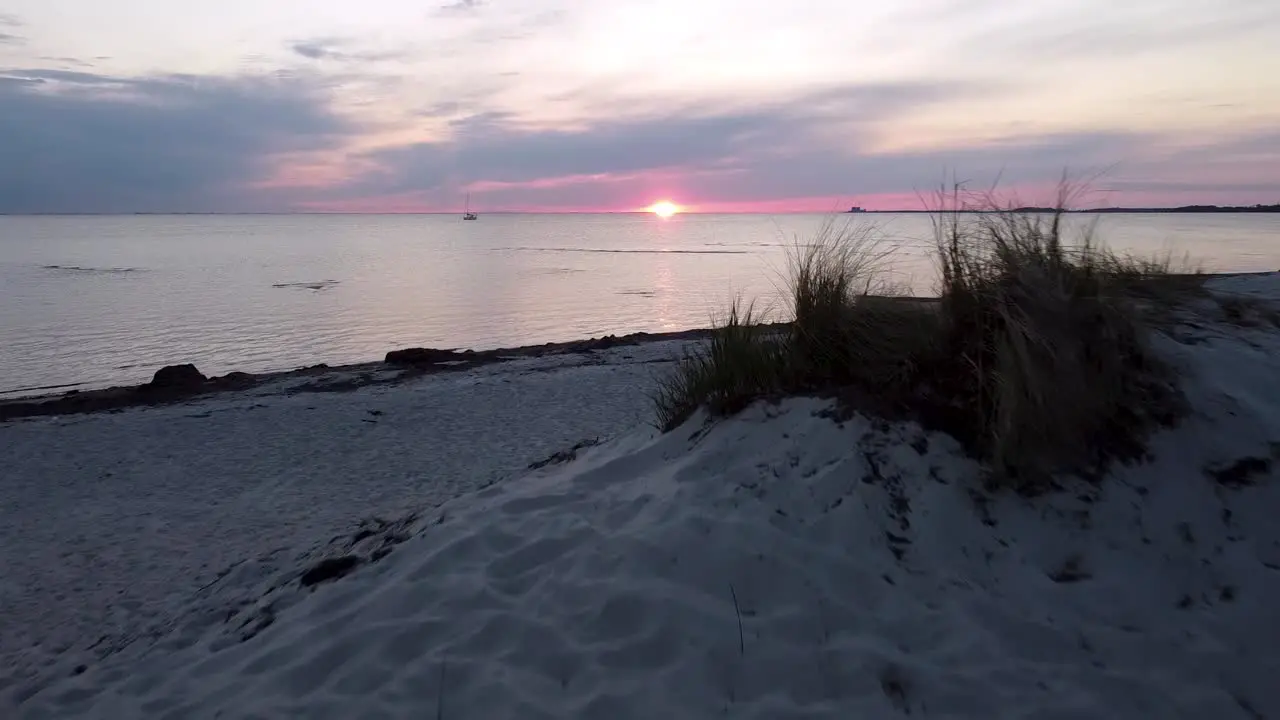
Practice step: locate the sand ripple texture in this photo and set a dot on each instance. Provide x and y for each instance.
(113, 523)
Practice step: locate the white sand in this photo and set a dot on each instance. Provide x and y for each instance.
(777, 565)
(110, 523)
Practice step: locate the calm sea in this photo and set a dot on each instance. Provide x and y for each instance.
(91, 301)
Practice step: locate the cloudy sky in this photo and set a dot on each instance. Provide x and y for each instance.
(395, 105)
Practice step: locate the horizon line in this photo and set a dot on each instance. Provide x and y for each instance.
(1193, 207)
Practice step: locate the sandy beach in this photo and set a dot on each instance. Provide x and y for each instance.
(114, 519)
(476, 360)
(514, 540)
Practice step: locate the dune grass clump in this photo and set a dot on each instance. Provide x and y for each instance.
(743, 360)
(842, 329)
(849, 324)
(1035, 355)
(1043, 347)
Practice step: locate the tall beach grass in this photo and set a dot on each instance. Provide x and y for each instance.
(1035, 353)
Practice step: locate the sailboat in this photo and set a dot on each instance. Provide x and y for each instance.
(467, 214)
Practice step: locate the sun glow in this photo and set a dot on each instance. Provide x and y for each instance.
(664, 209)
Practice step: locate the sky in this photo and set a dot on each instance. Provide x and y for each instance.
(612, 105)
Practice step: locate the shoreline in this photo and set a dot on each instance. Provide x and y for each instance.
(358, 375)
(413, 362)
(398, 366)
(409, 362)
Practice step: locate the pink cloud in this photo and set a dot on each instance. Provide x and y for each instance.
(483, 186)
(719, 190)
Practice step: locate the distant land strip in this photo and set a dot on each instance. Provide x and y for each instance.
(1181, 209)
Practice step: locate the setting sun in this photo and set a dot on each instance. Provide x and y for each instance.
(664, 209)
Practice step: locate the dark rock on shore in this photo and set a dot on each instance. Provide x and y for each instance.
(177, 377)
(173, 383)
(605, 343)
(421, 356)
(234, 381)
(181, 382)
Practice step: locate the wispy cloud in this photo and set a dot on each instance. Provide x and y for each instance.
(40, 76)
(461, 7)
(341, 50)
(12, 22)
(74, 62)
(1094, 29)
